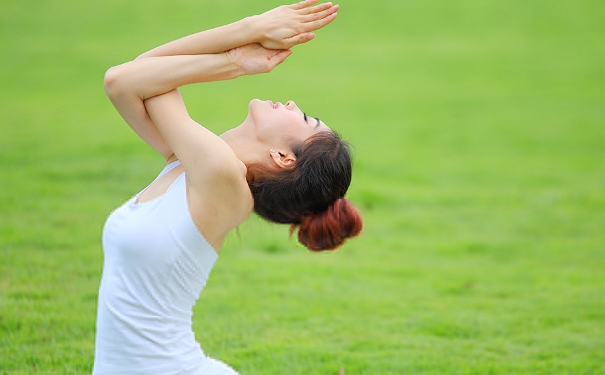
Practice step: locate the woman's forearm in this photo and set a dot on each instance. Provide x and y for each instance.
(153, 76)
(279, 29)
(211, 41)
(128, 85)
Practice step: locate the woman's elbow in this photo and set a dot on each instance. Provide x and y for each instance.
(112, 81)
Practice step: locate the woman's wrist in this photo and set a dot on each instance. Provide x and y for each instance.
(235, 69)
(252, 28)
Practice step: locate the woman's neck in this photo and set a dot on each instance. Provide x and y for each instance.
(245, 144)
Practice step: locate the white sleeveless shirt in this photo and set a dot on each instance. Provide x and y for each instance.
(156, 264)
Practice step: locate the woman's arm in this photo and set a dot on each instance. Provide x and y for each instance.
(129, 84)
(215, 176)
(133, 84)
(279, 28)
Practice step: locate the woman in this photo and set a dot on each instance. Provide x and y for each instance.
(161, 245)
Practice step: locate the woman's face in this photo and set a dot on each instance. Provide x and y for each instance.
(277, 122)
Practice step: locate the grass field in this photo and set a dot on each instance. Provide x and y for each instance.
(479, 134)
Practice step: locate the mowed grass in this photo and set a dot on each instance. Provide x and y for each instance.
(479, 136)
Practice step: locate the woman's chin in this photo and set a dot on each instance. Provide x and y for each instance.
(259, 102)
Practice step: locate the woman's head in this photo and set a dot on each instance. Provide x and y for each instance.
(310, 194)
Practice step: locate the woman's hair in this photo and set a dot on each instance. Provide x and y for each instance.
(310, 195)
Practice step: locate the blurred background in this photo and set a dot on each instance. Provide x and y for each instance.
(479, 136)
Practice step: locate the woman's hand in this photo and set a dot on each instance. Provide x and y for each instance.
(283, 27)
(254, 58)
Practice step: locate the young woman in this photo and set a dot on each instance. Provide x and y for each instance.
(160, 246)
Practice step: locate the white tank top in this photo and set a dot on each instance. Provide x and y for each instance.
(156, 264)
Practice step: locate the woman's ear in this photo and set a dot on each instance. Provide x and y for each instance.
(283, 159)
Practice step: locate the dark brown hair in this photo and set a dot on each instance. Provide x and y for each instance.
(310, 195)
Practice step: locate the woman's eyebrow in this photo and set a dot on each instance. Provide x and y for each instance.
(318, 123)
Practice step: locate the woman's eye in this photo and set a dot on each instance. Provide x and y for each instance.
(305, 116)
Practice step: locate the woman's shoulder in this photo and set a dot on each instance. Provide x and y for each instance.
(222, 201)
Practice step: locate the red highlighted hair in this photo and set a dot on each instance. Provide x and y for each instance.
(329, 229)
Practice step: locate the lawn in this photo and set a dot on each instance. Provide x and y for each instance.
(479, 136)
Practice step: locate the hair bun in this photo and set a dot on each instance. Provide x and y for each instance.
(329, 229)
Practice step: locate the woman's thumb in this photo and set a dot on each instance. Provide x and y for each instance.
(280, 57)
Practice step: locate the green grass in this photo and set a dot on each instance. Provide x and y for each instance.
(479, 134)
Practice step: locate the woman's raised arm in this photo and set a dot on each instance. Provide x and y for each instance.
(279, 28)
(167, 67)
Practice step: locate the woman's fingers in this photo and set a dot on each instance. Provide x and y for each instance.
(315, 9)
(297, 39)
(311, 23)
(318, 24)
(302, 38)
(254, 58)
(303, 4)
(321, 14)
(278, 58)
(289, 25)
